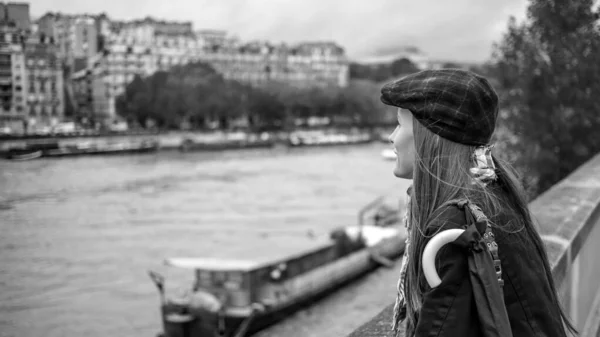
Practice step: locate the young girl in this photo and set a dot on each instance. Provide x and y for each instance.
(446, 119)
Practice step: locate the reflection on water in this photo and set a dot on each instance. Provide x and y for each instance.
(79, 234)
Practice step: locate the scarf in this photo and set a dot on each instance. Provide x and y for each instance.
(400, 305)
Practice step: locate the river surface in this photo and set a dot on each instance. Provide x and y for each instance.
(78, 235)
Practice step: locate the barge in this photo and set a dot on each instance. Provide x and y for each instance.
(299, 139)
(235, 298)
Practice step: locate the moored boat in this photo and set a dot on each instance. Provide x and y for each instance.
(234, 298)
(25, 154)
(29, 151)
(229, 142)
(189, 145)
(298, 139)
(106, 149)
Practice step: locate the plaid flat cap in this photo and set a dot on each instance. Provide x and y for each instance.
(455, 104)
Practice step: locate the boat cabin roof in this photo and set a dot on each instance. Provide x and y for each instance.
(229, 264)
(212, 264)
(252, 262)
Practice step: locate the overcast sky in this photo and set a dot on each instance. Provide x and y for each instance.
(461, 30)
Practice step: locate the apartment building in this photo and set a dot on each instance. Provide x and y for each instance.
(142, 47)
(77, 37)
(13, 109)
(16, 14)
(31, 80)
(44, 81)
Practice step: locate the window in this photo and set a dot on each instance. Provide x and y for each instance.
(219, 277)
(203, 278)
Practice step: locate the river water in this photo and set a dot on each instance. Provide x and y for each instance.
(78, 235)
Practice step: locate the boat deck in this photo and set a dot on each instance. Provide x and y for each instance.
(270, 251)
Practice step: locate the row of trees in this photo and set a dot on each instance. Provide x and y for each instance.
(196, 95)
(382, 71)
(546, 70)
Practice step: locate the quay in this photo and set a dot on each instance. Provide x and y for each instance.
(198, 140)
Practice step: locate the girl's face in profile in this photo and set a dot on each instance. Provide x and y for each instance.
(404, 145)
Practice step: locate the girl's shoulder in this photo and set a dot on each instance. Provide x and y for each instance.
(453, 215)
(448, 216)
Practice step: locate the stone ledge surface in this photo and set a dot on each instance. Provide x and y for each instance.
(379, 326)
(565, 214)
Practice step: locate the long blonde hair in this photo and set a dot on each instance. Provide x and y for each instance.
(441, 175)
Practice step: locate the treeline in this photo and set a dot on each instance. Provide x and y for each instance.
(383, 71)
(546, 70)
(196, 96)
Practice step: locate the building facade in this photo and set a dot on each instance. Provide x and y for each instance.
(17, 14)
(77, 37)
(44, 82)
(13, 107)
(114, 52)
(31, 80)
(306, 64)
(93, 90)
(146, 46)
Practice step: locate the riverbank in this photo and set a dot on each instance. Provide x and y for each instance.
(178, 140)
(81, 134)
